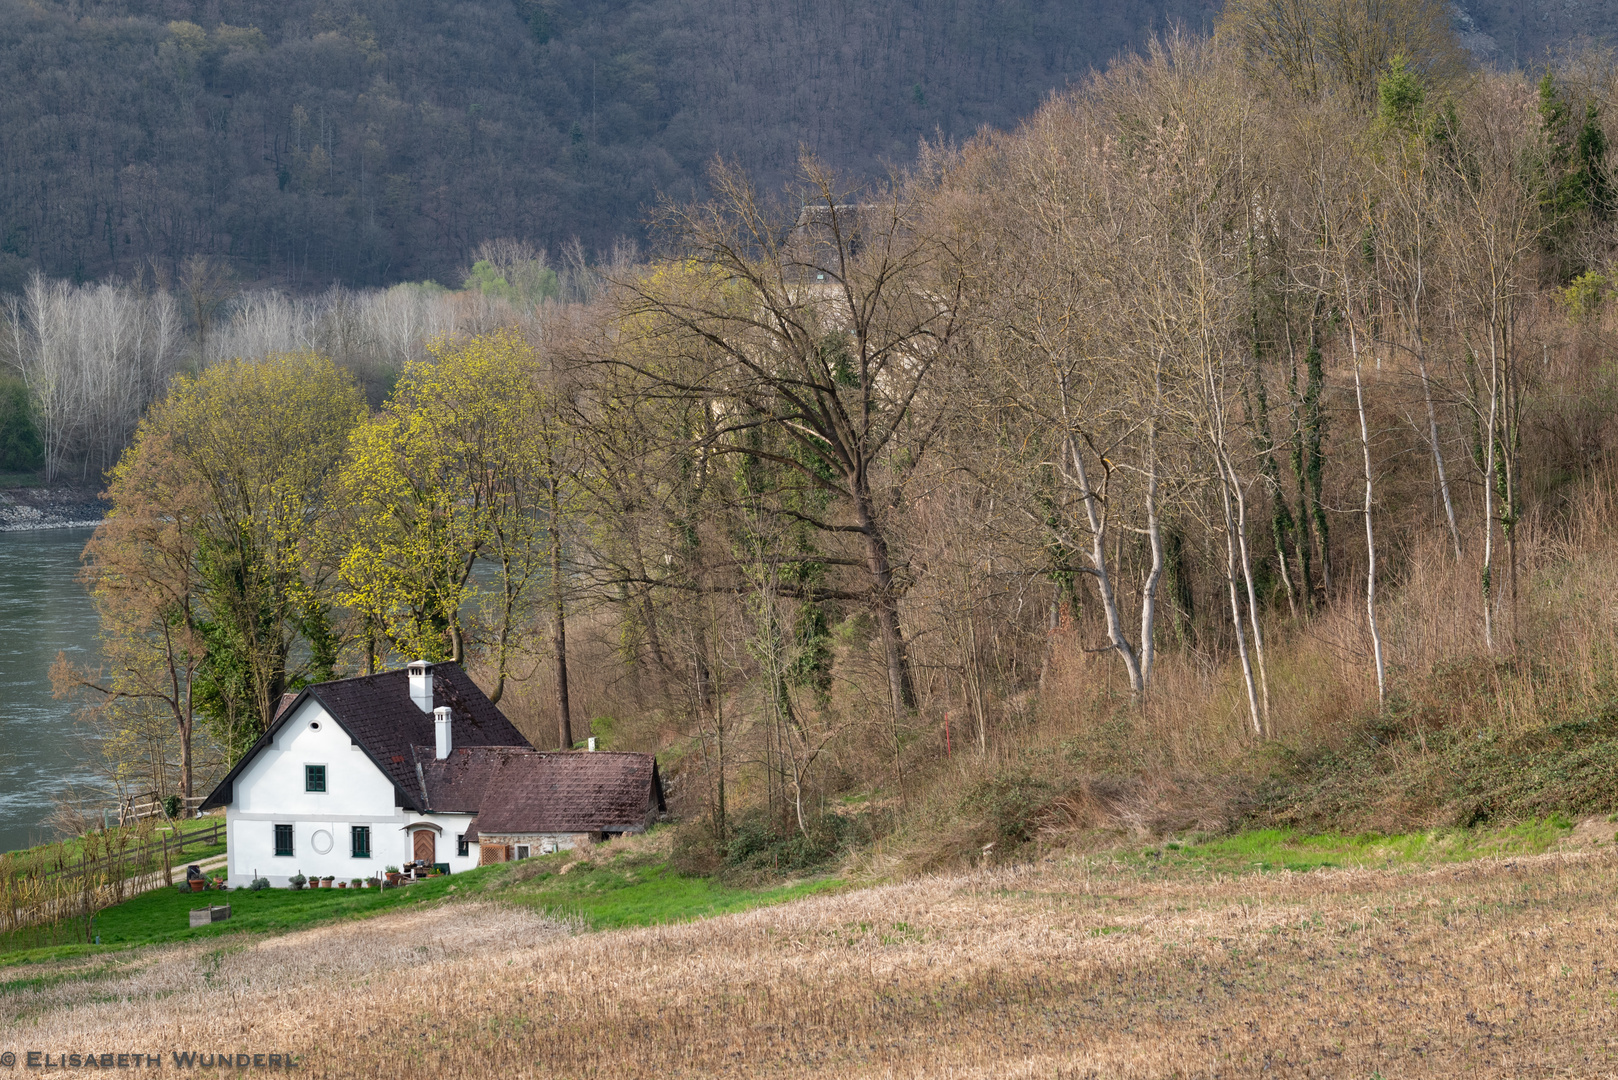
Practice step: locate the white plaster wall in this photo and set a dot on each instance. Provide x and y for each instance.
(274, 781)
(252, 845)
(270, 791)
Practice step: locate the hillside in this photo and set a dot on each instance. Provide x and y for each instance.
(369, 142)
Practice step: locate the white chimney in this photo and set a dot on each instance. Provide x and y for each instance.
(441, 722)
(421, 684)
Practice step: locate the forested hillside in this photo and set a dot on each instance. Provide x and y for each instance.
(370, 141)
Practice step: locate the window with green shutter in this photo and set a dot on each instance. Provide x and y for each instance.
(314, 778)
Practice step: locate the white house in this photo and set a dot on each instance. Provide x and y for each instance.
(358, 774)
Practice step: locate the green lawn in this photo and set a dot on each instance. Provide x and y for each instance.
(163, 915)
(1284, 849)
(628, 889)
(632, 890)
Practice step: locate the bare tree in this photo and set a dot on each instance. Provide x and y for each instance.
(826, 327)
(1316, 47)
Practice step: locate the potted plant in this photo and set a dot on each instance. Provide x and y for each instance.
(357, 882)
(325, 882)
(393, 875)
(298, 880)
(198, 884)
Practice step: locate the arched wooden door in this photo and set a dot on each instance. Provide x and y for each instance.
(426, 847)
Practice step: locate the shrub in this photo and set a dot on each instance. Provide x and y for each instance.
(1010, 803)
(20, 447)
(696, 853)
(759, 843)
(260, 884)
(1584, 295)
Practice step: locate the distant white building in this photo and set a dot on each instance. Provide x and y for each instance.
(362, 773)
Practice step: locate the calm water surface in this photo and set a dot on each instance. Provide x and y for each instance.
(43, 610)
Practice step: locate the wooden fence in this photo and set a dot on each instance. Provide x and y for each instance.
(67, 883)
(172, 851)
(146, 804)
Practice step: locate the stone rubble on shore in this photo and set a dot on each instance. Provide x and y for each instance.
(50, 508)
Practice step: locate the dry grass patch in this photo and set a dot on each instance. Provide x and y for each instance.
(1086, 968)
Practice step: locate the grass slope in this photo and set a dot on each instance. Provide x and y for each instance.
(1404, 767)
(608, 890)
(1289, 849)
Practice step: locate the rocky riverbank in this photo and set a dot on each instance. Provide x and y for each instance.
(50, 508)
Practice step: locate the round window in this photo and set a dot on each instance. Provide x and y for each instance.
(314, 725)
(321, 841)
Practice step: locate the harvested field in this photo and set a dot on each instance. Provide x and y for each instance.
(1503, 967)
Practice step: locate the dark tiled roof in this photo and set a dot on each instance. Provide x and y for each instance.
(576, 791)
(455, 785)
(281, 707)
(379, 716)
(377, 712)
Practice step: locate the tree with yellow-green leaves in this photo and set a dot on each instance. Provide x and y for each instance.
(213, 580)
(469, 462)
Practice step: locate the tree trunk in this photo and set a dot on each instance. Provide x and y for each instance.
(185, 758)
(1236, 606)
(1252, 595)
(1488, 465)
(1154, 536)
(1097, 519)
(1438, 455)
(564, 715)
(884, 603)
(1370, 535)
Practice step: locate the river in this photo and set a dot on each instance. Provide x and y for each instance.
(43, 610)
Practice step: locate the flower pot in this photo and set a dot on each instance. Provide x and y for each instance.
(342, 884)
(197, 885)
(325, 882)
(393, 879)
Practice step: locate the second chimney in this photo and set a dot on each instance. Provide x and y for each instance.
(441, 717)
(421, 684)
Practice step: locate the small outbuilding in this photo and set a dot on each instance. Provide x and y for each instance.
(537, 803)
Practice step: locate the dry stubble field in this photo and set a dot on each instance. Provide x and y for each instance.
(1489, 968)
